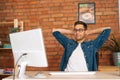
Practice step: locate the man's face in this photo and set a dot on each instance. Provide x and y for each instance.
(79, 32)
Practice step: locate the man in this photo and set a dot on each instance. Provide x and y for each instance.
(80, 55)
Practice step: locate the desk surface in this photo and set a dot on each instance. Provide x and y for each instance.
(110, 75)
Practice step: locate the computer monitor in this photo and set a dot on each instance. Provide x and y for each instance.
(28, 47)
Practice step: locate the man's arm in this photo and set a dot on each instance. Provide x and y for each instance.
(61, 38)
(95, 31)
(102, 37)
(63, 31)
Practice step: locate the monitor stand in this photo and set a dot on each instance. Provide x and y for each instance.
(22, 69)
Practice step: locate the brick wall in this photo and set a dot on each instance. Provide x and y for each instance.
(49, 14)
(6, 58)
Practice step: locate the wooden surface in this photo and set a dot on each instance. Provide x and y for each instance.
(108, 68)
(108, 75)
(102, 70)
(3, 76)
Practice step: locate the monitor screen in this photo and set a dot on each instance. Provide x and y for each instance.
(32, 43)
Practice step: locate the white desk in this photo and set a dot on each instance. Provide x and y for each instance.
(109, 75)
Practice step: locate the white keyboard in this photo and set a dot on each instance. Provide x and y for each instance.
(72, 73)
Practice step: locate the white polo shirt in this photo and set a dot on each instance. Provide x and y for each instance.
(77, 60)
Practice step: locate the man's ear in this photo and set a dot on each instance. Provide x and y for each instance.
(86, 32)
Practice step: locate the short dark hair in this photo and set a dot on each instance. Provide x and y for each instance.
(81, 23)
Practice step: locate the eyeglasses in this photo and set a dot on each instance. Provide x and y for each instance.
(79, 30)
